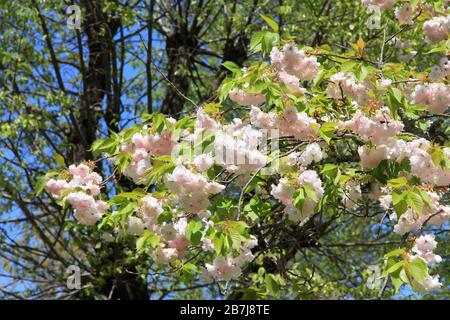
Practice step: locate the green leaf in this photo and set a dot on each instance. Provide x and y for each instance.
(310, 193)
(415, 202)
(394, 253)
(40, 185)
(418, 270)
(125, 197)
(403, 276)
(426, 199)
(236, 232)
(218, 242)
(109, 145)
(397, 182)
(256, 208)
(256, 42)
(271, 284)
(392, 268)
(441, 47)
(396, 278)
(122, 160)
(329, 170)
(59, 159)
(184, 123)
(269, 40)
(270, 22)
(233, 67)
(299, 198)
(193, 232)
(158, 122)
(349, 66)
(397, 94)
(399, 202)
(140, 243)
(364, 72)
(327, 131)
(437, 155)
(148, 238)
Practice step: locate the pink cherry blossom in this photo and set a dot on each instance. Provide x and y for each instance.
(436, 96)
(223, 268)
(404, 14)
(245, 98)
(423, 248)
(371, 157)
(378, 129)
(382, 4)
(294, 62)
(56, 186)
(436, 29)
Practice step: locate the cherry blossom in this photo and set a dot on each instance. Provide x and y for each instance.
(382, 4)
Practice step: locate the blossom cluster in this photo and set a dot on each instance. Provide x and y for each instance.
(142, 147)
(416, 151)
(79, 192)
(440, 71)
(237, 146)
(173, 244)
(345, 85)
(245, 98)
(284, 192)
(437, 29)
(291, 64)
(352, 194)
(436, 96)
(404, 14)
(423, 249)
(289, 123)
(378, 129)
(312, 153)
(294, 62)
(229, 267)
(435, 215)
(191, 189)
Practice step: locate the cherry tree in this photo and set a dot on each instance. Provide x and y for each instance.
(295, 144)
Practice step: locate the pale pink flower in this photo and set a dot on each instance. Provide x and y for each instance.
(165, 255)
(382, 4)
(204, 121)
(424, 246)
(437, 29)
(245, 98)
(404, 14)
(203, 162)
(371, 157)
(283, 191)
(294, 62)
(312, 178)
(150, 209)
(55, 187)
(436, 96)
(224, 269)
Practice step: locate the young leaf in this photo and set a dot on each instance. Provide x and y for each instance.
(418, 270)
(397, 182)
(270, 22)
(233, 67)
(394, 253)
(59, 159)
